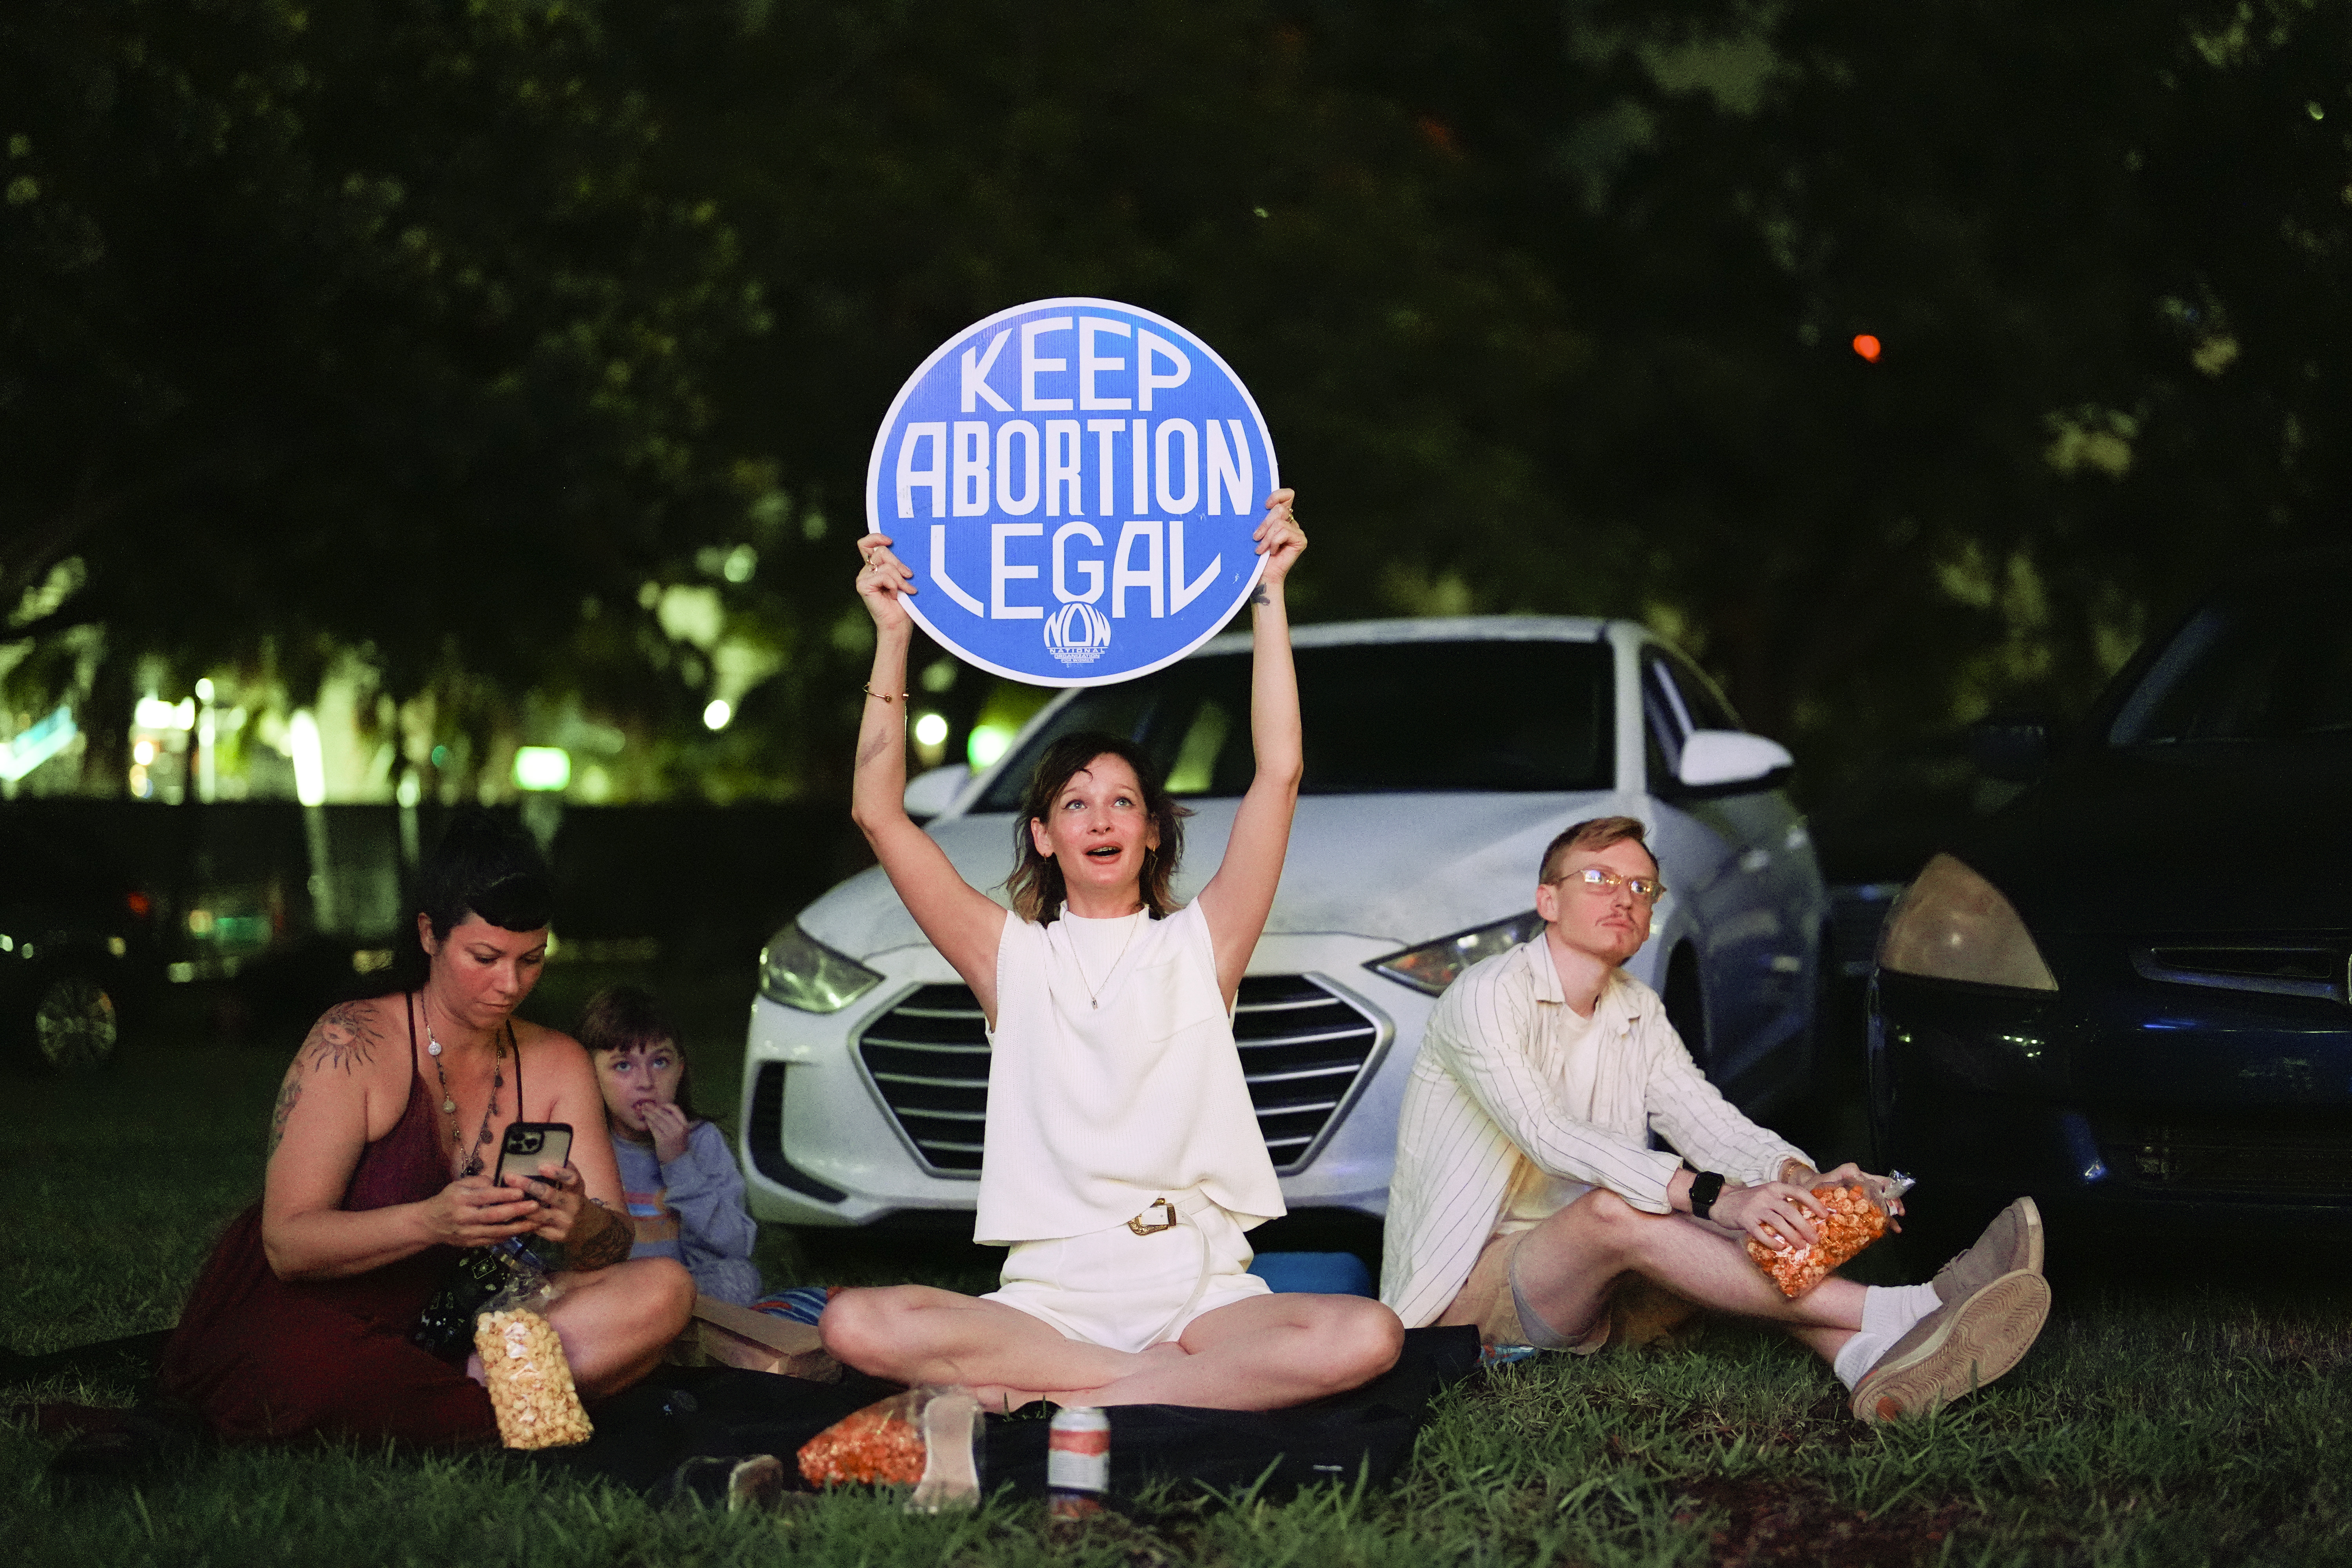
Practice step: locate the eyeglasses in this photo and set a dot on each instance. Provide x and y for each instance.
(1603, 880)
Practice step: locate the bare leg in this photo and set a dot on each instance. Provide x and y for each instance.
(1267, 1352)
(914, 1333)
(615, 1322)
(1567, 1265)
(1260, 1354)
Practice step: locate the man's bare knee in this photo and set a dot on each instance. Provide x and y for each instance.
(1602, 1215)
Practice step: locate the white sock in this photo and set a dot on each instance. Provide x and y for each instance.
(1856, 1357)
(1887, 1314)
(1889, 1310)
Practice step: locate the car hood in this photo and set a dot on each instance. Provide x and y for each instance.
(1398, 868)
(2189, 838)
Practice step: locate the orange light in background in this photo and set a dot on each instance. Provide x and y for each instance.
(1867, 346)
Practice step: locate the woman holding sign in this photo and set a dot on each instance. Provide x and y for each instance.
(1124, 1161)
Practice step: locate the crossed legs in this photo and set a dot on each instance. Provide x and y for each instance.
(1263, 1354)
(616, 1322)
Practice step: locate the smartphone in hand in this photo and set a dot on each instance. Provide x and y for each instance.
(529, 1145)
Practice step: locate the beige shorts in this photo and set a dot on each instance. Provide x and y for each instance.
(1635, 1312)
(1124, 1291)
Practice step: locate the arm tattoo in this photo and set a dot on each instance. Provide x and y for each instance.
(873, 749)
(345, 1038)
(600, 1238)
(1258, 595)
(288, 1093)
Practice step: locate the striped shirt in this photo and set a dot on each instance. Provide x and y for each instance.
(1490, 1096)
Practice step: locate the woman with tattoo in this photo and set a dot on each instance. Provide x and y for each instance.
(1123, 1161)
(385, 1129)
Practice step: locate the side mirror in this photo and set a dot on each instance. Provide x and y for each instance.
(2012, 750)
(1712, 759)
(927, 795)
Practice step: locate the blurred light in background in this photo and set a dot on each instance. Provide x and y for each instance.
(742, 562)
(1868, 347)
(987, 743)
(203, 688)
(716, 716)
(36, 744)
(154, 713)
(931, 730)
(310, 757)
(542, 767)
(143, 753)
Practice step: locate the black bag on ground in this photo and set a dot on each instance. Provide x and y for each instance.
(646, 1437)
(1367, 1431)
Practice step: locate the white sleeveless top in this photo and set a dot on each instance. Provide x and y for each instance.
(1111, 1085)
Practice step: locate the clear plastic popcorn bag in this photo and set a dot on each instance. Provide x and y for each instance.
(530, 1382)
(1856, 1219)
(926, 1438)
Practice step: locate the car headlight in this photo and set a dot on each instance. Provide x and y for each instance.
(801, 972)
(1434, 965)
(1952, 924)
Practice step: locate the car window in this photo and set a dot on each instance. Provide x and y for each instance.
(2274, 667)
(1380, 718)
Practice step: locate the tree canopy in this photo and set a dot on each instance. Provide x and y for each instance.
(539, 345)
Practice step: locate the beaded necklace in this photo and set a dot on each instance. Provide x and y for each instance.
(450, 1102)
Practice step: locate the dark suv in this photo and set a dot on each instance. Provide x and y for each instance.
(2127, 991)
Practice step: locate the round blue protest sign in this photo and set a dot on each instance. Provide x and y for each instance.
(1074, 484)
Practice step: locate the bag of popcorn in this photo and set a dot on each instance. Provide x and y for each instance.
(530, 1382)
(1855, 1220)
(927, 1437)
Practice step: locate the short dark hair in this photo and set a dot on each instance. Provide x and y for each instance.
(628, 1018)
(1037, 884)
(487, 865)
(1593, 832)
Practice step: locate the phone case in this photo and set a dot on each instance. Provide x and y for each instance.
(530, 1144)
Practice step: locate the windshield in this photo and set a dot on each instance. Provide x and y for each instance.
(1380, 718)
(2266, 669)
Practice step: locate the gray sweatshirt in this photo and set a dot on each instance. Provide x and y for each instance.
(692, 1209)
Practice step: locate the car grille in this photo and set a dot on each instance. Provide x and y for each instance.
(2279, 1156)
(1303, 1048)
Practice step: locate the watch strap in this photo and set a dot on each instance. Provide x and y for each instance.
(1704, 1191)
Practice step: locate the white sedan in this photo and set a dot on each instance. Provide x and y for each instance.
(1441, 756)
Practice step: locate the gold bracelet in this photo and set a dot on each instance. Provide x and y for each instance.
(884, 695)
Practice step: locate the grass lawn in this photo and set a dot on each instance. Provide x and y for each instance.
(2161, 1423)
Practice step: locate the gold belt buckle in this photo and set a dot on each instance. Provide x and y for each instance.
(1137, 1224)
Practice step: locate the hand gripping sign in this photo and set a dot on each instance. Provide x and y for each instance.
(1074, 484)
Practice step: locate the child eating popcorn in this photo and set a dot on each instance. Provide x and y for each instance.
(683, 1187)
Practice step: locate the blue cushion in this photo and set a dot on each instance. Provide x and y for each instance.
(1315, 1273)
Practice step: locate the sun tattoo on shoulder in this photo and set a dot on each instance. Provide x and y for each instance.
(346, 1039)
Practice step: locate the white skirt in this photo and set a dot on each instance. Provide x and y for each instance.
(1124, 1291)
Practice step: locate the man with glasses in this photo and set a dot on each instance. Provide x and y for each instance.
(1528, 1195)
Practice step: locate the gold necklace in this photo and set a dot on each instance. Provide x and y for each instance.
(1092, 999)
(449, 1100)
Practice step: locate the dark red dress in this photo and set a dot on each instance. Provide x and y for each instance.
(261, 1357)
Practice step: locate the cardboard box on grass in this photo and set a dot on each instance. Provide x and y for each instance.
(730, 1335)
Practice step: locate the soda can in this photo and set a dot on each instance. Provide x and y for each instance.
(1078, 1463)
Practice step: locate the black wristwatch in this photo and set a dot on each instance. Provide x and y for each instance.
(1704, 1191)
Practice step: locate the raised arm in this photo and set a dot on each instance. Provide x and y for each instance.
(963, 922)
(1240, 895)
